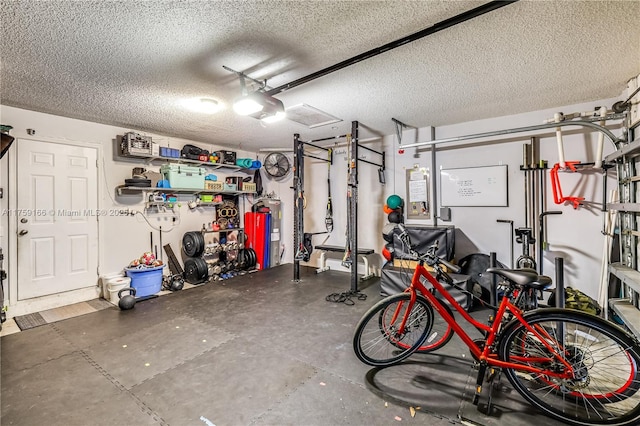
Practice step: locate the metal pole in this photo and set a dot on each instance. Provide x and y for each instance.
(442, 25)
(583, 123)
(432, 183)
(298, 202)
(493, 295)
(525, 161)
(560, 300)
(353, 206)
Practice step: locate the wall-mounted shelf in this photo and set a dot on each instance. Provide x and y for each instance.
(180, 160)
(627, 305)
(628, 313)
(211, 231)
(123, 189)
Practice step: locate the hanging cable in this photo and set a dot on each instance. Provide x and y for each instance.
(328, 220)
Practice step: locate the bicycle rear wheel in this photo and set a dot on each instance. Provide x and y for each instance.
(605, 361)
(378, 340)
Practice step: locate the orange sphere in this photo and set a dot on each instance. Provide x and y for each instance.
(386, 254)
(387, 209)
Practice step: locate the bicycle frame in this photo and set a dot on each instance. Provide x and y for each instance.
(484, 354)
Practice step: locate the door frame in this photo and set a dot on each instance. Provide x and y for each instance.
(60, 299)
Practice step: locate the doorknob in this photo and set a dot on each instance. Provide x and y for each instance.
(23, 232)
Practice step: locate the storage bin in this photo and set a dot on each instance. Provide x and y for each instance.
(181, 176)
(249, 187)
(113, 286)
(146, 281)
(214, 186)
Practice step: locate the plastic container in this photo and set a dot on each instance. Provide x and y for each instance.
(114, 285)
(181, 176)
(146, 281)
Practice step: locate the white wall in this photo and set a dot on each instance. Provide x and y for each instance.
(575, 235)
(122, 238)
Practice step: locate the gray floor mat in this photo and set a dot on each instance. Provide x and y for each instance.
(28, 321)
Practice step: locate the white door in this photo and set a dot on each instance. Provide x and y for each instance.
(57, 218)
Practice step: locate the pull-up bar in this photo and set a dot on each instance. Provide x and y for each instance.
(325, 139)
(584, 122)
(381, 154)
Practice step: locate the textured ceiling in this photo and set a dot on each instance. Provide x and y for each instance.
(132, 63)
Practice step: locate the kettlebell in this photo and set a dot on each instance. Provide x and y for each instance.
(177, 282)
(127, 301)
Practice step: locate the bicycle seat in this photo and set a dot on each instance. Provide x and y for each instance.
(526, 277)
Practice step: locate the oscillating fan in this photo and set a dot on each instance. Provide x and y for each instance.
(277, 164)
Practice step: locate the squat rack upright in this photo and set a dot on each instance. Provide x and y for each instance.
(352, 195)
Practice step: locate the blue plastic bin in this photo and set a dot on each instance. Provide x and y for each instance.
(146, 281)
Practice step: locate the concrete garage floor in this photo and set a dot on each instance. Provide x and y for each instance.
(253, 350)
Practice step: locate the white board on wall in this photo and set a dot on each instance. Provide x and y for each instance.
(484, 186)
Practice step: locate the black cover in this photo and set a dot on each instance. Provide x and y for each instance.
(475, 265)
(257, 179)
(423, 237)
(138, 182)
(395, 280)
(192, 152)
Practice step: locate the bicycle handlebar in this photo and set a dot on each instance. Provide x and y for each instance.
(430, 256)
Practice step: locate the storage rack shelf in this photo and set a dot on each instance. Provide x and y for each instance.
(629, 314)
(628, 276)
(211, 231)
(180, 160)
(627, 305)
(123, 189)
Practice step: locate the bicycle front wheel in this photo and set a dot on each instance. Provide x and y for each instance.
(604, 382)
(440, 334)
(392, 330)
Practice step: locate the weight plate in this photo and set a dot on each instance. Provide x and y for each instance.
(253, 258)
(240, 258)
(193, 243)
(247, 258)
(191, 274)
(203, 269)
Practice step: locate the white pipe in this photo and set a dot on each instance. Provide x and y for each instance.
(558, 117)
(600, 149)
(609, 229)
(546, 125)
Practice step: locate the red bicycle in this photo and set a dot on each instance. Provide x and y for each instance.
(573, 366)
